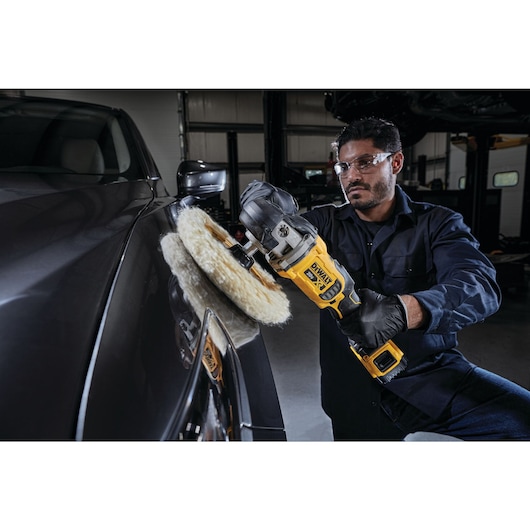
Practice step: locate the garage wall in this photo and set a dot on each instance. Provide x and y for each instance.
(246, 107)
(306, 108)
(155, 113)
(216, 110)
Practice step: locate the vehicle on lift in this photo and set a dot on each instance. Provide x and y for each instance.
(98, 342)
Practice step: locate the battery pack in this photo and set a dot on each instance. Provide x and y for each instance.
(383, 363)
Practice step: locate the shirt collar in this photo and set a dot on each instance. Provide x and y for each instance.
(402, 207)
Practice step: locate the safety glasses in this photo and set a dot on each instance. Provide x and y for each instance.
(363, 164)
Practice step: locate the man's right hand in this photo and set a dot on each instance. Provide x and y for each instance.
(263, 190)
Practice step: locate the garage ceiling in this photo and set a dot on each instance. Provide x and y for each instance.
(417, 112)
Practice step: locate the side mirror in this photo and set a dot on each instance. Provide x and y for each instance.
(199, 179)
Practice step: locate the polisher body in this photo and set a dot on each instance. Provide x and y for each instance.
(293, 248)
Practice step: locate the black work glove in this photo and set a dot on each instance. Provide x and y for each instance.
(376, 321)
(263, 190)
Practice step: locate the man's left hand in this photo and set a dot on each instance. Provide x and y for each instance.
(376, 321)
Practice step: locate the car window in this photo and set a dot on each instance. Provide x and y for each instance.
(61, 138)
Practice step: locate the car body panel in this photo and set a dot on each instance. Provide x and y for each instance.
(60, 254)
(138, 375)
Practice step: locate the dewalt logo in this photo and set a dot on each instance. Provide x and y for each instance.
(318, 276)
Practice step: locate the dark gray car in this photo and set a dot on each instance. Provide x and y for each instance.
(97, 341)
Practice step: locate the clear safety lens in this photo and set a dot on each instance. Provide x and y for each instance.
(362, 163)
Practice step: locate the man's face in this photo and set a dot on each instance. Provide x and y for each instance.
(369, 187)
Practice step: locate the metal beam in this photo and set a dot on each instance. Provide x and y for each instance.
(233, 169)
(525, 217)
(200, 126)
(478, 170)
(274, 103)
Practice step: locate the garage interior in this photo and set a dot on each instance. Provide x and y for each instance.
(466, 149)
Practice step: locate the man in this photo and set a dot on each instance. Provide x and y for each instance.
(421, 278)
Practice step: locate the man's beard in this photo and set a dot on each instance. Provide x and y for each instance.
(380, 191)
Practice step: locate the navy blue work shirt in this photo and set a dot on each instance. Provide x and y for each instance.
(424, 250)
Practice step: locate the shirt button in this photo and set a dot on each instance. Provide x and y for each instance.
(372, 275)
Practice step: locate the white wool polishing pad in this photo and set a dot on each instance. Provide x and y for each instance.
(202, 294)
(258, 294)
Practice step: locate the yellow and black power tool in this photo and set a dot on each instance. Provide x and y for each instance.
(293, 248)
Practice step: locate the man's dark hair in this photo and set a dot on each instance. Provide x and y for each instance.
(383, 133)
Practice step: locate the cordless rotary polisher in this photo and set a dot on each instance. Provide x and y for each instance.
(293, 248)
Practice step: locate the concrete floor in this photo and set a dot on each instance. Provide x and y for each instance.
(293, 352)
(500, 344)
